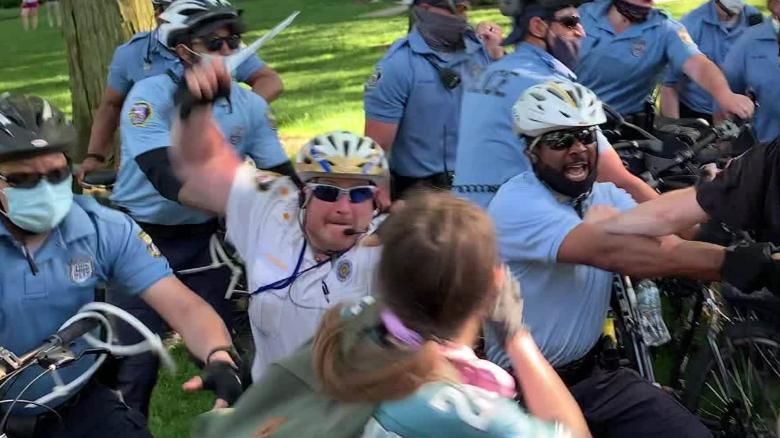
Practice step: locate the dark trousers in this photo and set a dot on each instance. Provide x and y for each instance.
(687, 113)
(137, 375)
(622, 404)
(95, 412)
(401, 185)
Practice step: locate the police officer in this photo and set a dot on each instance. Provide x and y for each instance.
(300, 244)
(629, 44)
(752, 66)
(714, 27)
(146, 56)
(54, 249)
(149, 191)
(547, 35)
(564, 261)
(413, 99)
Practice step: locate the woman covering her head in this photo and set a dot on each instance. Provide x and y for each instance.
(401, 363)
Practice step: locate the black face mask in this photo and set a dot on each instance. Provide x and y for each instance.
(633, 13)
(557, 181)
(565, 50)
(441, 32)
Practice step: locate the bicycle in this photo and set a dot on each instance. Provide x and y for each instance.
(56, 352)
(99, 184)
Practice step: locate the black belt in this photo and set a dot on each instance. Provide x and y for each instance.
(574, 372)
(176, 231)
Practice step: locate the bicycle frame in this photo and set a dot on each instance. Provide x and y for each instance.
(625, 299)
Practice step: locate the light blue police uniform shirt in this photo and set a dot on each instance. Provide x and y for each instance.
(92, 245)
(489, 150)
(714, 39)
(564, 304)
(624, 69)
(753, 65)
(405, 89)
(145, 56)
(145, 124)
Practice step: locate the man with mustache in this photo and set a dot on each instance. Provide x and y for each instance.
(547, 223)
(547, 35)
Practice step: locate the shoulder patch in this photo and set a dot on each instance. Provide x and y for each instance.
(374, 79)
(140, 113)
(264, 180)
(151, 248)
(685, 37)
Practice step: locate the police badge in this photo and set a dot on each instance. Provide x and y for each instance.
(638, 47)
(80, 269)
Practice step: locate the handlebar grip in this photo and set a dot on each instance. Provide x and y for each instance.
(73, 331)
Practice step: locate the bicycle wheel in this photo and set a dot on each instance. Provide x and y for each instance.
(741, 398)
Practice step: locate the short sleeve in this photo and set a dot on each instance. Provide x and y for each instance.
(146, 118)
(134, 262)
(680, 47)
(265, 149)
(602, 143)
(118, 75)
(388, 88)
(742, 194)
(530, 224)
(250, 196)
(247, 69)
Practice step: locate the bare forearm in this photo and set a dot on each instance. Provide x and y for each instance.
(668, 256)
(545, 394)
(611, 169)
(269, 85)
(671, 213)
(103, 128)
(670, 102)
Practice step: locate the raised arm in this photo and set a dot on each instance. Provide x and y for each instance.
(202, 159)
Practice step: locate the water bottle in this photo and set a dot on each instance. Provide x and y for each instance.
(651, 321)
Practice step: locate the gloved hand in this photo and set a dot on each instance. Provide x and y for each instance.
(223, 379)
(506, 319)
(750, 267)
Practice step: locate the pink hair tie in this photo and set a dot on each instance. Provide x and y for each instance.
(402, 333)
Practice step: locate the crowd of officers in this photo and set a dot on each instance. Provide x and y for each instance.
(448, 107)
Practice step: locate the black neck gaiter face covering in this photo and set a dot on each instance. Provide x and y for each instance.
(442, 33)
(632, 12)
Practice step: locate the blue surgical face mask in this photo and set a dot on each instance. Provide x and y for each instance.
(40, 208)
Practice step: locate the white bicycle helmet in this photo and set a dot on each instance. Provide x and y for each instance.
(556, 105)
(342, 154)
(183, 18)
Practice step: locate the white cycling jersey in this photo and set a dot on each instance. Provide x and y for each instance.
(262, 223)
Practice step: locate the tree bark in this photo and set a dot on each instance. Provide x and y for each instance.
(92, 30)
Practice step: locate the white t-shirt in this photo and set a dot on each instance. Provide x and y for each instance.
(262, 223)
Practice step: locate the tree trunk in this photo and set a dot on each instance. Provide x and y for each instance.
(92, 30)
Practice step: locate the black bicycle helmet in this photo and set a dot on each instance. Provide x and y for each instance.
(185, 18)
(30, 126)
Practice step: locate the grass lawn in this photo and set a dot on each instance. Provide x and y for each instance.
(324, 60)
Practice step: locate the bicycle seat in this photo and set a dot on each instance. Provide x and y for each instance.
(105, 178)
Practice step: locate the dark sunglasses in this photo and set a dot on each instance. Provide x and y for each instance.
(563, 140)
(214, 43)
(23, 180)
(570, 21)
(329, 193)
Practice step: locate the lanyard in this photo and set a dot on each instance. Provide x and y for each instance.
(287, 282)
